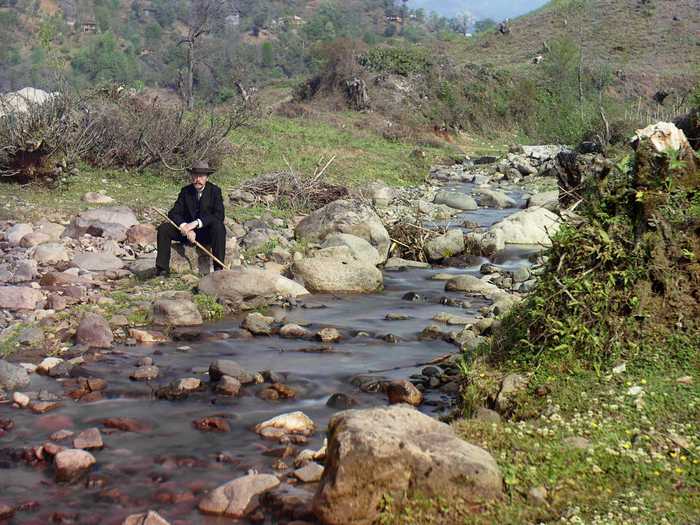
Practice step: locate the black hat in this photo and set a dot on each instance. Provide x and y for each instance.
(200, 167)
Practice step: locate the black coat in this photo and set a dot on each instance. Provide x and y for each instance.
(208, 209)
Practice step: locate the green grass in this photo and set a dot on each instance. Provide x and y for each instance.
(361, 155)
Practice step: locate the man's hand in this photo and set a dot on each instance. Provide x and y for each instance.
(193, 225)
(191, 235)
(184, 228)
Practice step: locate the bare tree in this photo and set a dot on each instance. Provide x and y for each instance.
(203, 14)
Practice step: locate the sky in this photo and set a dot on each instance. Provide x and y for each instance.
(496, 9)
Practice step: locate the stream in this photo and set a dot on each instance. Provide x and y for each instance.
(169, 465)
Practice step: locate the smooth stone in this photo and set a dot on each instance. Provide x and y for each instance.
(233, 499)
(72, 464)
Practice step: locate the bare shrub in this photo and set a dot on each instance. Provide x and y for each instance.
(132, 135)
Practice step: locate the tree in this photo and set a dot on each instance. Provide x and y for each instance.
(485, 25)
(203, 14)
(267, 55)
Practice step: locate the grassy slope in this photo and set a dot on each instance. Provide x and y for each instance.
(652, 49)
(361, 156)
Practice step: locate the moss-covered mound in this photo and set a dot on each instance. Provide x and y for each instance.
(622, 280)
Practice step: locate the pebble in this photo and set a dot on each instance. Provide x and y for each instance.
(21, 399)
(309, 473)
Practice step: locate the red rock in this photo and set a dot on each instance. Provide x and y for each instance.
(403, 391)
(126, 424)
(88, 439)
(212, 424)
(72, 464)
(41, 407)
(94, 332)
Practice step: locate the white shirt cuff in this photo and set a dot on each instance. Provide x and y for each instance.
(199, 222)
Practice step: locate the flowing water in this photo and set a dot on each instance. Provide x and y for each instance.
(168, 466)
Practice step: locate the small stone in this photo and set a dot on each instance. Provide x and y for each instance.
(228, 386)
(258, 324)
(309, 473)
(93, 197)
(6, 512)
(269, 394)
(72, 464)
(341, 401)
(284, 391)
(397, 317)
(60, 435)
(21, 399)
(188, 384)
(222, 367)
(619, 368)
(88, 439)
(41, 407)
(144, 373)
(47, 364)
(293, 331)
(234, 499)
(212, 424)
(537, 496)
(634, 390)
(488, 415)
(149, 518)
(329, 335)
(292, 423)
(403, 391)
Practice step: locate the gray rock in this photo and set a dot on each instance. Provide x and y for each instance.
(34, 239)
(344, 216)
(469, 284)
(396, 263)
(147, 518)
(398, 452)
(244, 283)
(12, 376)
(458, 201)
(26, 270)
(487, 415)
(360, 248)
(234, 498)
(32, 336)
(144, 373)
(226, 367)
(15, 233)
(258, 324)
(545, 199)
(529, 226)
(447, 245)
(97, 262)
(495, 199)
(309, 473)
(72, 464)
(94, 331)
(511, 385)
(50, 253)
(19, 298)
(173, 312)
(53, 230)
(336, 270)
(228, 386)
(111, 215)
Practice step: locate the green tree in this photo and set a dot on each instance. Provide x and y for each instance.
(267, 55)
(484, 26)
(103, 60)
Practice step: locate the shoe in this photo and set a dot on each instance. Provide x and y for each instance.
(162, 273)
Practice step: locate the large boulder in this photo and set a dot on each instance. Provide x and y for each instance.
(447, 245)
(97, 261)
(344, 216)
(235, 498)
(12, 376)
(398, 452)
(50, 253)
(20, 101)
(94, 331)
(336, 270)
(173, 312)
(110, 222)
(529, 226)
(19, 298)
(458, 201)
(245, 283)
(494, 199)
(15, 233)
(359, 247)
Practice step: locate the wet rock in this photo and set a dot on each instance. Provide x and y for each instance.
(41, 407)
(15, 233)
(172, 312)
(458, 201)
(292, 423)
(469, 284)
(403, 391)
(309, 473)
(187, 384)
(529, 226)
(97, 262)
(370, 384)
(245, 283)
(226, 367)
(94, 332)
(329, 335)
(392, 316)
(48, 364)
(336, 270)
(6, 512)
(126, 424)
(399, 452)
(360, 248)
(284, 391)
(22, 400)
(147, 336)
(12, 376)
(211, 424)
(235, 498)
(228, 386)
(72, 464)
(511, 385)
(268, 394)
(144, 373)
(455, 320)
(396, 263)
(88, 439)
(19, 298)
(345, 216)
(341, 401)
(447, 245)
(258, 324)
(293, 331)
(495, 199)
(60, 435)
(148, 518)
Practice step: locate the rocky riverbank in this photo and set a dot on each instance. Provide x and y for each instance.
(78, 294)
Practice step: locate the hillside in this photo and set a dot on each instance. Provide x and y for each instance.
(647, 45)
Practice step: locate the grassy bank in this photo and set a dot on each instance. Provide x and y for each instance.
(361, 155)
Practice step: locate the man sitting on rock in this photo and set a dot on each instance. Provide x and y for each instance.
(199, 212)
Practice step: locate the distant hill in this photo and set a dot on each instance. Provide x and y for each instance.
(649, 45)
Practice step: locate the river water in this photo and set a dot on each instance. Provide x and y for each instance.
(169, 466)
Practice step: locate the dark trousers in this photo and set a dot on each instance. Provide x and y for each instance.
(213, 236)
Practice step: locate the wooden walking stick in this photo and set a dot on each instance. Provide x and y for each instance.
(196, 243)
